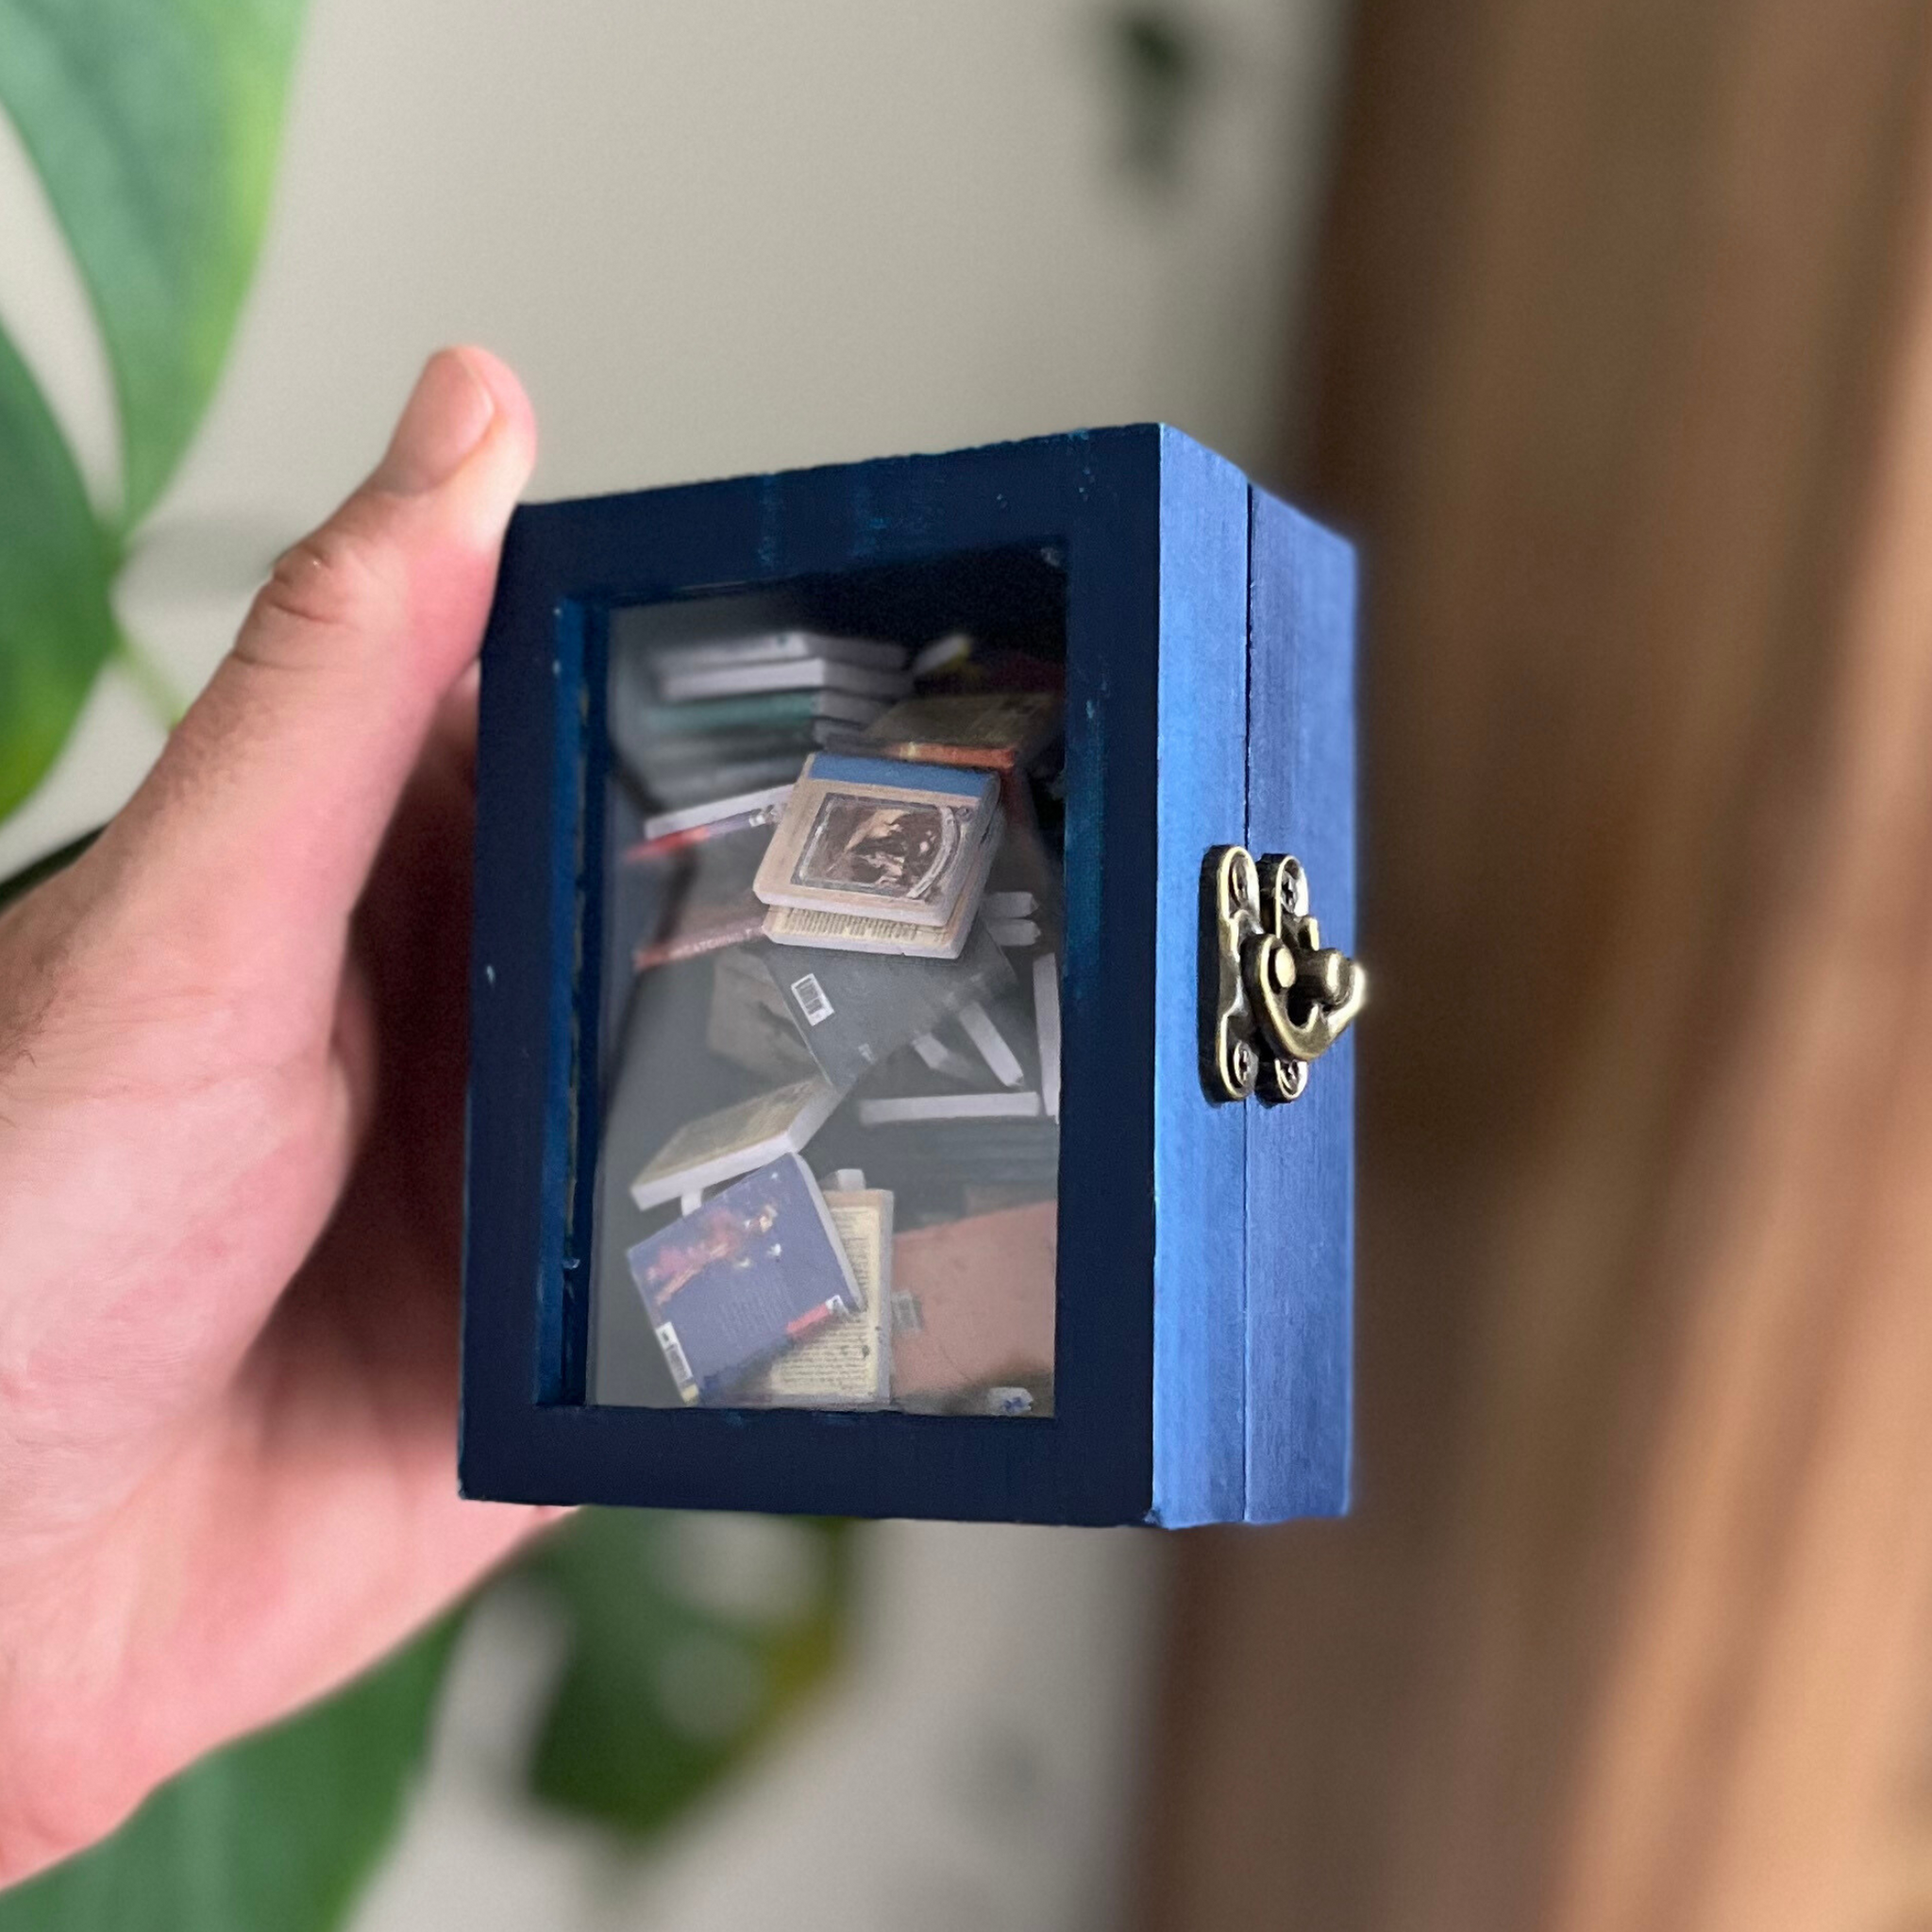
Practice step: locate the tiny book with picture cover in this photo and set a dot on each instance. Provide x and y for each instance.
(744, 1276)
(716, 1147)
(878, 838)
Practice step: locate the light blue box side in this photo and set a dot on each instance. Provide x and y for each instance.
(1300, 1158)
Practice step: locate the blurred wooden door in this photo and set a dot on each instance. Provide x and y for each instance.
(1623, 374)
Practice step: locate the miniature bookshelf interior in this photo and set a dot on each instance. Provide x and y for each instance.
(828, 956)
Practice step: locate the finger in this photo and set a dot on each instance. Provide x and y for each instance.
(270, 801)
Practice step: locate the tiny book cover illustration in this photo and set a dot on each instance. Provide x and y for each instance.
(743, 1276)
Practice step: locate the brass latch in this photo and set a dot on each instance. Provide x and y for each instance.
(1275, 997)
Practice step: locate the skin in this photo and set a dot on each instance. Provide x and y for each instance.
(232, 1071)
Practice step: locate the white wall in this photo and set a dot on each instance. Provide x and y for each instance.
(714, 235)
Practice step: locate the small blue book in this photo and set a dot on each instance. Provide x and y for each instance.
(743, 1277)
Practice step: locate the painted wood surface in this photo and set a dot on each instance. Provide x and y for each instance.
(1201, 1239)
(1094, 502)
(1301, 1159)
(1155, 1359)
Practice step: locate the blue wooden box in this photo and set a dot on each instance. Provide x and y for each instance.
(1205, 1248)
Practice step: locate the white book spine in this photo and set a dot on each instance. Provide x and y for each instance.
(772, 800)
(977, 1026)
(778, 646)
(1047, 1028)
(1005, 1106)
(942, 1059)
(807, 674)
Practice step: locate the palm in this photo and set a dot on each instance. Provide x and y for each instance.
(348, 1401)
(231, 1080)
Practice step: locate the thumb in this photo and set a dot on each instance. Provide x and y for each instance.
(267, 806)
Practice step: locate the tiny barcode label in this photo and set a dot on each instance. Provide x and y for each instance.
(906, 1317)
(674, 1355)
(812, 1001)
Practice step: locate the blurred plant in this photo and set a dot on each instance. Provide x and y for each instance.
(1158, 57)
(279, 1831)
(690, 1640)
(153, 126)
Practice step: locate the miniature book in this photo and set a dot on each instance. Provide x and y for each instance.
(693, 931)
(692, 752)
(720, 1145)
(701, 784)
(679, 754)
(776, 647)
(763, 711)
(668, 831)
(940, 1058)
(990, 1107)
(982, 1030)
(1047, 1030)
(846, 1364)
(849, 932)
(743, 1277)
(881, 840)
(804, 674)
(749, 1022)
(860, 932)
(996, 730)
(854, 1011)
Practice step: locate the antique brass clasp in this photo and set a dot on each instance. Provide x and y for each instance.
(1275, 997)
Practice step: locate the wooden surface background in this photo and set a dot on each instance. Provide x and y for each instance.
(1622, 373)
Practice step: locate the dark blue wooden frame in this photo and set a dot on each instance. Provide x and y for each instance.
(1171, 1404)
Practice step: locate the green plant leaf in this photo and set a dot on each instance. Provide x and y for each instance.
(280, 1830)
(154, 125)
(57, 626)
(663, 1696)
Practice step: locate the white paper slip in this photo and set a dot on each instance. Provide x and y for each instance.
(1047, 1026)
(1009, 905)
(977, 1023)
(942, 1059)
(772, 800)
(1002, 1106)
(1013, 933)
(953, 649)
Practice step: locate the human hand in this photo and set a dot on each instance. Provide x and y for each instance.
(232, 1045)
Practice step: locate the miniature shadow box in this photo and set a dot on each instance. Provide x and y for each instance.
(909, 1066)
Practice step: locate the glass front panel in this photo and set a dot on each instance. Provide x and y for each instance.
(828, 1088)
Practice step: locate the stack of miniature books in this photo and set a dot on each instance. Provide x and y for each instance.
(865, 1078)
(710, 720)
(877, 855)
(712, 734)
